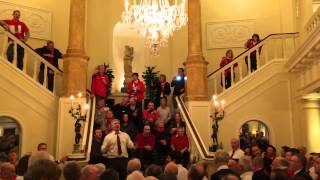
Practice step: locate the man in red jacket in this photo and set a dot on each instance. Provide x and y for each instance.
(100, 84)
(145, 145)
(136, 89)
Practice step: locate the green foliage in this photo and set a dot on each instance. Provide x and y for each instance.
(110, 75)
(151, 80)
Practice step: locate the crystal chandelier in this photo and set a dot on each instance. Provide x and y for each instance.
(156, 20)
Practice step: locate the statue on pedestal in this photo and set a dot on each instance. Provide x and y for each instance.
(127, 65)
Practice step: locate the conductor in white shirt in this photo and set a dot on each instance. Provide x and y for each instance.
(236, 153)
(114, 149)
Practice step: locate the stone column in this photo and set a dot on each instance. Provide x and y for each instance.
(75, 61)
(312, 121)
(196, 66)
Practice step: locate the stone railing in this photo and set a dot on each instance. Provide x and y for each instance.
(313, 22)
(274, 46)
(31, 60)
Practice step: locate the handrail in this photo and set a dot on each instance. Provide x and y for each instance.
(313, 21)
(194, 132)
(27, 46)
(251, 49)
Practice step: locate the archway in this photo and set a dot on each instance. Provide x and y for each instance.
(254, 132)
(10, 136)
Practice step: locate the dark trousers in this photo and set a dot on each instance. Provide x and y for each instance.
(20, 55)
(253, 62)
(185, 158)
(118, 164)
(227, 80)
(146, 157)
(50, 78)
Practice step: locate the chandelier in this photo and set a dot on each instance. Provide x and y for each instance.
(155, 20)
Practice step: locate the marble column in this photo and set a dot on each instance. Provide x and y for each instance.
(312, 121)
(196, 66)
(75, 60)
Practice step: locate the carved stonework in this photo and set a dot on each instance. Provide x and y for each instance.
(229, 34)
(38, 21)
(127, 65)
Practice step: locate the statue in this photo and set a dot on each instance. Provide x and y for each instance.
(127, 63)
(77, 129)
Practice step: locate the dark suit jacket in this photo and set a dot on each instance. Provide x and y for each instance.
(221, 173)
(304, 174)
(261, 175)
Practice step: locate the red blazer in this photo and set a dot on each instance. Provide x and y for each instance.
(99, 88)
(179, 142)
(136, 90)
(142, 141)
(150, 116)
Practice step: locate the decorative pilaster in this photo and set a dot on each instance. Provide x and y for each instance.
(75, 60)
(312, 121)
(196, 66)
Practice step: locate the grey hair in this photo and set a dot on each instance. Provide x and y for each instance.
(221, 157)
(246, 163)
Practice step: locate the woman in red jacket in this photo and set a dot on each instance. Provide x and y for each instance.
(100, 83)
(136, 89)
(227, 72)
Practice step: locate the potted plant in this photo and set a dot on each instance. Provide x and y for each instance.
(151, 80)
(109, 72)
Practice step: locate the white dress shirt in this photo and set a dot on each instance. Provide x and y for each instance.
(246, 175)
(109, 146)
(182, 172)
(237, 154)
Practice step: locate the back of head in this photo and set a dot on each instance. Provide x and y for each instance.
(168, 177)
(43, 169)
(90, 172)
(109, 174)
(133, 165)
(196, 172)
(246, 163)
(221, 157)
(171, 168)
(230, 177)
(258, 162)
(135, 175)
(176, 156)
(72, 171)
(280, 163)
(22, 165)
(153, 170)
(279, 175)
(7, 171)
(39, 155)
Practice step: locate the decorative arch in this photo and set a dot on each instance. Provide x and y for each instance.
(10, 134)
(124, 35)
(252, 130)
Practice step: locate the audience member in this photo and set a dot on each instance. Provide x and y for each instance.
(72, 171)
(227, 72)
(176, 123)
(22, 165)
(100, 83)
(162, 141)
(136, 175)
(115, 147)
(253, 55)
(298, 165)
(52, 55)
(231, 177)
(90, 172)
(109, 174)
(317, 167)
(20, 31)
(180, 143)
(236, 153)
(128, 127)
(196, 172)
(177, 83)
(257, 152)
(221, 161)
(164, 110)
(171, 169)
(121, 108)
(7, 171)
(260, 173)
(100, 113)
(13, 157)
(136, 89)
(271, 153)
(135, 114)
(284, 150)
(39, 155)
(163, 89)
(176, 157)
(245, 164)
(153, 170)
(150, 115)
(43, 169)
(145, 145)
(95, 154)
(133, 165)
(106, 126)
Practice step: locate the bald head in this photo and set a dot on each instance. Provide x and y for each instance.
(235, 143)
(171, 168)
(39, 155)
(135, 175)
(90, 172)
(133, 165)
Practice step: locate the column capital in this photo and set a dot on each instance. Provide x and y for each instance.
(311, 101)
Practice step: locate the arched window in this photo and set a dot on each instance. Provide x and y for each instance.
(254, 132)
(10, 133)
